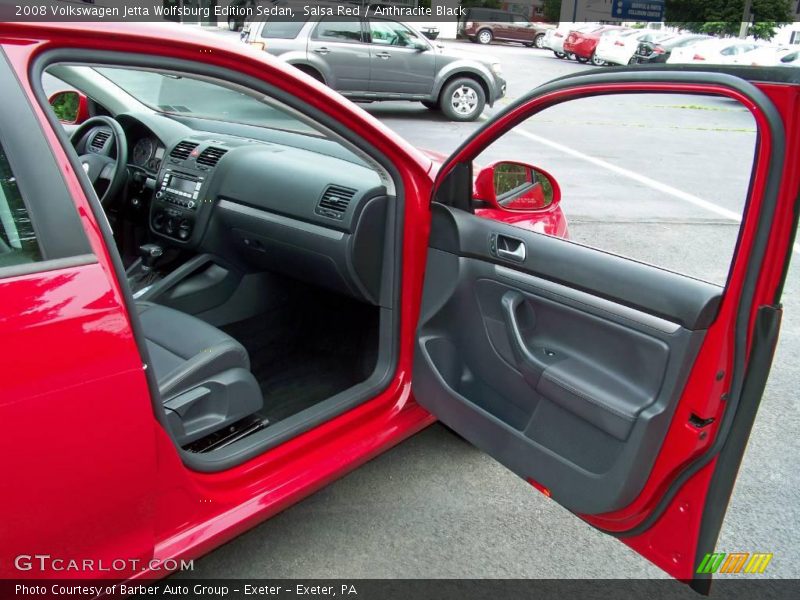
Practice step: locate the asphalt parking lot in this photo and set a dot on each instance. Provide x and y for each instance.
(435, 506)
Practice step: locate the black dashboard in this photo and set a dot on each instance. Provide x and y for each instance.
(263, 205)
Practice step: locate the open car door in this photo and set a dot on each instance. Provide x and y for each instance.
(623, 391)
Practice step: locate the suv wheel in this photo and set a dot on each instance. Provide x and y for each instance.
(462, 100)
(559, 54)
(538, 41)
(485, 36)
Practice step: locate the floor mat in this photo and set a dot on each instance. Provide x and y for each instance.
(308, 349)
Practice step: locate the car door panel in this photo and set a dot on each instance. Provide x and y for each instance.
(75, 397)
(550, 360)
(347, 61)
(396, 69)
(623, 391)
(401, 71)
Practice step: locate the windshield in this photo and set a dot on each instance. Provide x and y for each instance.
(179, 95)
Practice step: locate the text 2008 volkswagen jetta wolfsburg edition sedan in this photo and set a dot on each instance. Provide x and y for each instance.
(209, 313)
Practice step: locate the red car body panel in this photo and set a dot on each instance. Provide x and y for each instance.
(584, 43)
(121, 490)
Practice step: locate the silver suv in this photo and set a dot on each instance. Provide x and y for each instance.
(376, 58)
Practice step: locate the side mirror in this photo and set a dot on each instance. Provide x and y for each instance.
(71, 107)
(516, 186)
(419, 45)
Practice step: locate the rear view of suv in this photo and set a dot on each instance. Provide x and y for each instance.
(483, 25)
(376, 58)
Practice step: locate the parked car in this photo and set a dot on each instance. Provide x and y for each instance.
(327, 275)
(383, 59)
(582, 43)
(659, 51)
(554, 40)
(617, 47)
(717, 51)
(790, 60)
(767, 56)
(484, 25)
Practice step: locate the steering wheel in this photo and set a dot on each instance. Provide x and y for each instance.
(97, 161)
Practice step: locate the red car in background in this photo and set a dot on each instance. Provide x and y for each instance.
(331, 291)
(583, 43)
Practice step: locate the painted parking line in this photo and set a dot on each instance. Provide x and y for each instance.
(639, 178)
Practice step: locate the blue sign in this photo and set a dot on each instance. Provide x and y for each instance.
(638, 10)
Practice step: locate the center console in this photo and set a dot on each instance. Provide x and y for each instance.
(175, 203)
(178, 207)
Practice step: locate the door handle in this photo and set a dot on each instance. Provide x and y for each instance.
(323, 50)
(383, 55)
(520, 319)
(511, 248)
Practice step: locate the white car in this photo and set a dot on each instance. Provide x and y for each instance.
(554, 39)
(791, 60)
(768, 56)
(617, 47)
(719, 51)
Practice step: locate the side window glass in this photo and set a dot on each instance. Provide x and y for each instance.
(390, 33)
(341, 30)
(659, 178)
(282, 29)
(18, 243)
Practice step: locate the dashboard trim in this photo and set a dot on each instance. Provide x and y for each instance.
(275, 219)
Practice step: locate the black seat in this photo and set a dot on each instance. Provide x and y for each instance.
(203, 374)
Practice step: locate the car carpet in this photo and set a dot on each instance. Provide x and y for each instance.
(303, 352)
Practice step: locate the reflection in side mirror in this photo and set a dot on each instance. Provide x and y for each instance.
(419, 45)
(516, 186)
(70, 107)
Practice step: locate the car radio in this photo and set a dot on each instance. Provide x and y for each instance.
(176, 203)
(180, 189)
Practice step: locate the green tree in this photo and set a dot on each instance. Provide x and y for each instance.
(65, 105)
(480, 3)
(724, 17)
(552, 11)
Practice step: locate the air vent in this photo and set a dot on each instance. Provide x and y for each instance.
(210, 156)
(99, 140)
(334, 202)
(183, 150)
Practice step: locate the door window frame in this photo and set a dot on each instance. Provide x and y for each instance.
(386, 370)
(45, 195)
(316, 37)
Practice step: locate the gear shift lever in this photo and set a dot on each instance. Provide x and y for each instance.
(145, 275)
(150, 254)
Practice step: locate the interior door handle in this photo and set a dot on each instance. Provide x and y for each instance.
(511, 248)
(519, 318)
(323, 50)
(383, 55)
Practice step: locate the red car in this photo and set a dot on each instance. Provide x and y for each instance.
(207, 316)
(583, 43)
